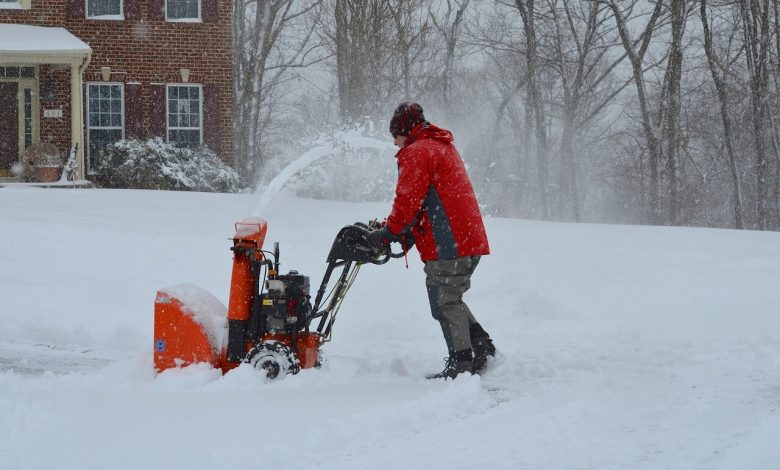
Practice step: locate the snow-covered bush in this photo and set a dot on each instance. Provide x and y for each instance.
(154, 164)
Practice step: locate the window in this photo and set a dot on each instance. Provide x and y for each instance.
(17, 72)
(28, 117)
(105, 9)
(182, 10)
(184, 115)
(105, 119)
(15, 4)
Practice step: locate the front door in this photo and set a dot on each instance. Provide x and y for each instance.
(9, 126)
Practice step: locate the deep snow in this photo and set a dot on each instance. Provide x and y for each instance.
(622, 347)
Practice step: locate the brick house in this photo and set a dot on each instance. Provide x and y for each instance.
(91, 72)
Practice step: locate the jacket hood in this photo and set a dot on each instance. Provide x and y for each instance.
(426, 130)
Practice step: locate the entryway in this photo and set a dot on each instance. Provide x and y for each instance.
(24, 51)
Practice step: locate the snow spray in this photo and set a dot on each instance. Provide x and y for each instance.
(322, 148)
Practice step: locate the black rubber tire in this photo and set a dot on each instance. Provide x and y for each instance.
(274, 358)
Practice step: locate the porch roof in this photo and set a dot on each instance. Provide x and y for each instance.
(40, 45)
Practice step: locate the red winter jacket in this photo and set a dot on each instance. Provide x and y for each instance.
(435, 197)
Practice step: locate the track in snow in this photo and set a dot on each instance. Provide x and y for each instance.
(31, 359)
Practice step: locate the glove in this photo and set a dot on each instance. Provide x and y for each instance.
(379, 239)
(406, 238)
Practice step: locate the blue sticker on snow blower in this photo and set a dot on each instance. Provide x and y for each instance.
(159, 345)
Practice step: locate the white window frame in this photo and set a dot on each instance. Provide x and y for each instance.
(121, 85)
(199, 19)
(120, 16)
(168, 127)
(35, 124)
(16, 5)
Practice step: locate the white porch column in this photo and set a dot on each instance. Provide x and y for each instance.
(76, 116)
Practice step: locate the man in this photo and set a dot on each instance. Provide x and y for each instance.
(434, 200)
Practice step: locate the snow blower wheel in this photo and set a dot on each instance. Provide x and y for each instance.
(273, 357)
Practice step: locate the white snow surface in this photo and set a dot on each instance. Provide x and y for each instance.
(26, 38)
(621, 347)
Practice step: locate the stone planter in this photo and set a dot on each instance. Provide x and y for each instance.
(48, 174)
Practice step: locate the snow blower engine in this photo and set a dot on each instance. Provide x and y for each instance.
(268, 321)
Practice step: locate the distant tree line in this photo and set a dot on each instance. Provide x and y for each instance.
(634, 111)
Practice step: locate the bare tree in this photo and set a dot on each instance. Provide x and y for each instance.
(411, 38)
(715, 66)
(363, 40)
(755, 24)
(580, 57)
(536, 93)
(673, 79)
(536, 108)
(450, 26)
(636, 56)
(262, 59)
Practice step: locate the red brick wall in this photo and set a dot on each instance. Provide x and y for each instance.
(146, 51)
(56, 131)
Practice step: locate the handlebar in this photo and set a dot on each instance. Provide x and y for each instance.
(381, 257)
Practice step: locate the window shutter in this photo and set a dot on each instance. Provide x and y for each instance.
(212, 118)
(156, 10)
(132, 9)
(76, 9)
(134, 111)
(210, 11)
(157, 111)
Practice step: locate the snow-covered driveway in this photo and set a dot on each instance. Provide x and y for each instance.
(621, 347)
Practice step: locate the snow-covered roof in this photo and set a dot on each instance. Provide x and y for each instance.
(25, 41)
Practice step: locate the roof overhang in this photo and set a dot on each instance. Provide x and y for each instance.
(28, 44)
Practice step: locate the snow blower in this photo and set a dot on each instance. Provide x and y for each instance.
(268, 321)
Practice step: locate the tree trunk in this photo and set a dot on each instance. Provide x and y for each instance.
(636, 58)
(755, 23)
(720, 87)
(528, 14)
(451, 35)
(678, 8)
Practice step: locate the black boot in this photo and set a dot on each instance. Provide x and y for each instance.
(483, 348)
(458, 363)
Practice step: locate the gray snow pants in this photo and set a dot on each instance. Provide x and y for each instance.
(447, 280)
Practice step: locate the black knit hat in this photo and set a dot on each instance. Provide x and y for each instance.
(406, 116)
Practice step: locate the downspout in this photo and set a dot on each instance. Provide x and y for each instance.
(77, 111)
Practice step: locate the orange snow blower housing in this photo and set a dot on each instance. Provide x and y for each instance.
(268, 320)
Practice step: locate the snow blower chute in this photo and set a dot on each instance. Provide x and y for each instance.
(268, 321)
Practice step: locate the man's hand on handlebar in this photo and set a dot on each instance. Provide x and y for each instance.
(380, 239)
